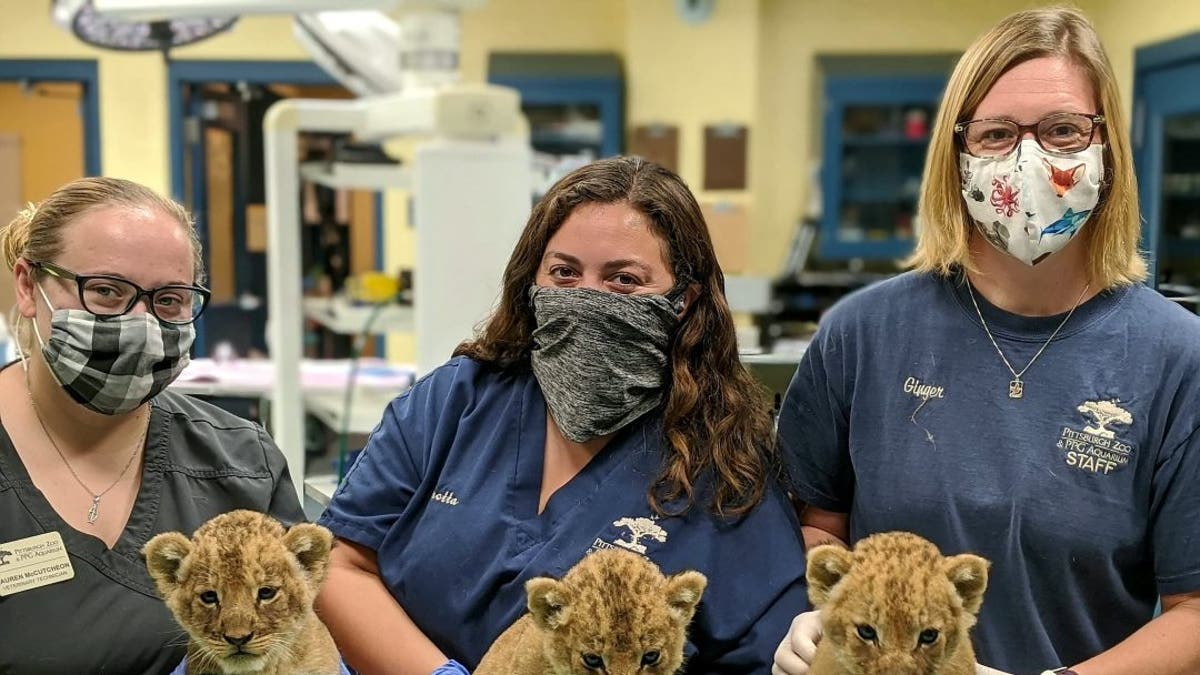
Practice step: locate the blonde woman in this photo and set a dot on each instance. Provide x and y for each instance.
(95, 457)
(1020, 394)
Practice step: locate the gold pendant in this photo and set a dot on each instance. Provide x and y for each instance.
(94, 512)
(1016, 388)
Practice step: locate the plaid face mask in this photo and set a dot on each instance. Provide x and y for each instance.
(112, 366)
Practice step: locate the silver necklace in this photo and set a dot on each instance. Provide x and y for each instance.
(94, 511)
(1016, 387)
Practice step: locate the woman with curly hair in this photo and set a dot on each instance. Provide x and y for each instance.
(602, 405)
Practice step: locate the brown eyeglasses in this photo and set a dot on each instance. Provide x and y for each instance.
(1060, 133)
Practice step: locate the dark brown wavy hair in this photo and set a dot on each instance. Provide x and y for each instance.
(717, 420)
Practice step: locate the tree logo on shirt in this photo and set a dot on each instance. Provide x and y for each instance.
(1096, 447)
(1105, 413)
(639, 528)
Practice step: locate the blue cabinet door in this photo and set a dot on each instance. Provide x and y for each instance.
(1167, 154)
(575, 102)
(876, 132)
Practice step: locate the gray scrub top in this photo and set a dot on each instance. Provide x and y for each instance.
(199, 462)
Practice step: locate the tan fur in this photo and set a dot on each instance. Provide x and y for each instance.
(613, 604)
(237, 554)
(898, 585)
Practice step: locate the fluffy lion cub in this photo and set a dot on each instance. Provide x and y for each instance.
(895, 606)
(613, 613)
(243, 589)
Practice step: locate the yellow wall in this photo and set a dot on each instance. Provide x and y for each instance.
(794, 33)
(753, 62)
(133, 89)
(539, 26)
(692, 76)
(1127, 25)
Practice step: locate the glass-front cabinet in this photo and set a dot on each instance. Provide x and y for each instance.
(1166, 143)
(876, 134)
(1179, 221)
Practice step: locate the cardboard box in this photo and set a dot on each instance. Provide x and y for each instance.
(729, 227)
(10, 203)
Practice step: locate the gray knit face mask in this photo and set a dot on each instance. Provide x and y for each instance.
(601, 358)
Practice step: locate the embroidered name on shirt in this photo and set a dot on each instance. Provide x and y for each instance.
(446, 497)
(923, 391)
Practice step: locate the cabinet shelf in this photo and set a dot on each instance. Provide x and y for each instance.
(878, 195)
(346, 318)
(1179, 246)
(883, 141)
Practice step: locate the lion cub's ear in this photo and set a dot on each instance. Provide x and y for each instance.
(827, 565)
(683, 592)
(164, 556)
(310, 544)
(969, 574)
(549, 602)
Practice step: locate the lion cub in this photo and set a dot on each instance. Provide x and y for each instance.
(243, 589)
(614, 612)
(895, 606)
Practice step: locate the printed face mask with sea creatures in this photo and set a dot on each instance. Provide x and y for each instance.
(1031, 203)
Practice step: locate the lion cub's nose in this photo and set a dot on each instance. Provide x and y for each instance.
(238, 641)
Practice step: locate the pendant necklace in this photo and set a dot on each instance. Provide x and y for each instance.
(1016, 386)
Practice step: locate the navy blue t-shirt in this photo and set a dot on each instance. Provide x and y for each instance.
(447, 493)
(1084, 493)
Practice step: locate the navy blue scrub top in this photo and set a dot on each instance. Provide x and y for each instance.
(446, 493)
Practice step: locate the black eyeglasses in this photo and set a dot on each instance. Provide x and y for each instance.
(108, 297)
(1061, 133)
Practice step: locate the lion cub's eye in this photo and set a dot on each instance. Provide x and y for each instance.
(266, 593)
(928, 636)
(593, 661)
(651, 658)
(209, 597)
(867, 633)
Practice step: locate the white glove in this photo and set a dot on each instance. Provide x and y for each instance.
(799, 646)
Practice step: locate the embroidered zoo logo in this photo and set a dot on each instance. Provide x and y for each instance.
(639, 529)
(1096, 448)
(4, 556)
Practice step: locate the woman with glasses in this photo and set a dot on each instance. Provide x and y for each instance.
(1021, 394)
(95, 457)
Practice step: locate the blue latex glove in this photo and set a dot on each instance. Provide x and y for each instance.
(451, 667)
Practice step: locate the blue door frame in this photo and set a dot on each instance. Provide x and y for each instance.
(1165, 84)
(181, 74)
(85, 73)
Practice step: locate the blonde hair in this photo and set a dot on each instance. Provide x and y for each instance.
(35, 234)
(1113, 256)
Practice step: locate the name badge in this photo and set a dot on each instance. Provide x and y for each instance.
(33, 562)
